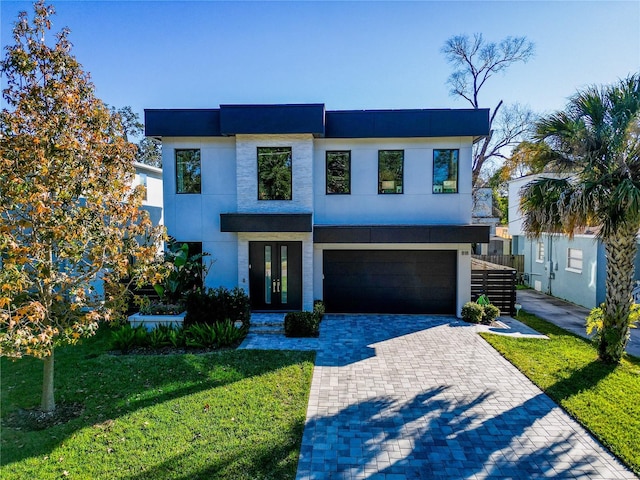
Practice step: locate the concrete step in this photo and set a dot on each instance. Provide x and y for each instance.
(267, 330)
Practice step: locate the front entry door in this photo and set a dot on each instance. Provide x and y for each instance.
(275, 275)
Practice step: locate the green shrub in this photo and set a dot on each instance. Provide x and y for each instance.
(472, 312)
(160, 336)
(302, 324)
(227, 334)
(489, 313)
(216, 305)
(176, 337)
(318, 307)
(200, 335)
(126, 337)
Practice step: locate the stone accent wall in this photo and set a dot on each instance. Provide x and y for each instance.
(247, 173)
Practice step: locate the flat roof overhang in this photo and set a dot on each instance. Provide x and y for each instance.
(401, 234)
(265, 222)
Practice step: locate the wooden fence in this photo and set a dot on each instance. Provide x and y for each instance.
(514, 261)
(496, 282)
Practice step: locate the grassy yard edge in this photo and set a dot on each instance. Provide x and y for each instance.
(630, 366)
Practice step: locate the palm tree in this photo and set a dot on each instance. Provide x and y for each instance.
(596, 141)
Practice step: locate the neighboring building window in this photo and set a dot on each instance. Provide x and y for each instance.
(142, 181)
(445, 171)
(390, 171)
(274, 173)
(338, 173)
(574, 259)
(540, 252)
(188, 171)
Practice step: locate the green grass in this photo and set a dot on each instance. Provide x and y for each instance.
(233, 414)
(604, 398)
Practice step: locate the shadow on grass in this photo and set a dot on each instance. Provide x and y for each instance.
(582, 379)
(111, 386)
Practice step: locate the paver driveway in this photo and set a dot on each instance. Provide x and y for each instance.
(425, 397)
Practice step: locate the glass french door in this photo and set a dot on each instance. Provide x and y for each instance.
(275, 279)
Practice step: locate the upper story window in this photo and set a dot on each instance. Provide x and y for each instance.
(574, 260)
(338, 173)
(540, 252)
(445, 171)
(188, 176)
(274, 173)
(390, 171)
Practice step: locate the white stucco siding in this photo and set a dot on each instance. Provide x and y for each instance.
(463, 292)
(196, 216)
(247, 173)
(416, 205)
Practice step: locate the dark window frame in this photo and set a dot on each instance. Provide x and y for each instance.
(433, 182)
(380, 189)
(290, 174)
(326, 172)
(178, 191)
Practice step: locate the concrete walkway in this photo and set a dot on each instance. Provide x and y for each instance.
(566, 315)
(425, 397)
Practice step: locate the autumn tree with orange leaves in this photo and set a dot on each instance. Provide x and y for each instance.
(70, 219)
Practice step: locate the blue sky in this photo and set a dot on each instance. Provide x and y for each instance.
(347, 55)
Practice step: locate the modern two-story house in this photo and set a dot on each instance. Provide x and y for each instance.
(369, 211)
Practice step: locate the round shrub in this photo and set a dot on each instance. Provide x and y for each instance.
(489, 314)
(472, 312)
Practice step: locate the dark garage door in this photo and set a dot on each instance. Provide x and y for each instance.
(390, 281)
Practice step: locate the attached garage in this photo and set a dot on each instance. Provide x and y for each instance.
(390, 281)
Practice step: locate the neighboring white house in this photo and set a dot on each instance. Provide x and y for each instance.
(151, 178)
(367, 210)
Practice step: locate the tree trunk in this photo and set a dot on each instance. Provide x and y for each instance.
(48, 401)
(620, 250)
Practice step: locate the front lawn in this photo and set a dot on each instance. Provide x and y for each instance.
(234, 414)
(603, 398)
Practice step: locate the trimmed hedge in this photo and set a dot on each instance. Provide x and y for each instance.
(302, 324)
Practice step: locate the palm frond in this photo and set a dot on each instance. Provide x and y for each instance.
(552, 205)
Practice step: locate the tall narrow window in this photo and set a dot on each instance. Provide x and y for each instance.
(188, 171)
(338, 173)
(540, 252)
(274, 173)
(142, 181)
(390, 171)
(445, 171)
(284, 284)
(267, 274)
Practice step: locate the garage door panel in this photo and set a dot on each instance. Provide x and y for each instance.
(384, 281)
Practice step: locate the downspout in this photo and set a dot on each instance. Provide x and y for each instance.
(551, 274)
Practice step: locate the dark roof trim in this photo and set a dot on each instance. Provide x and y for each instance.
(312, 119)
(265, 222)
(401, 234)
(407, 123)
(182, 123)
(272, 119)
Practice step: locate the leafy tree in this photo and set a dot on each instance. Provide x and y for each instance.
(129, 120)
(476, 61)
(69, 217)
(149, 151)
(596, 139)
